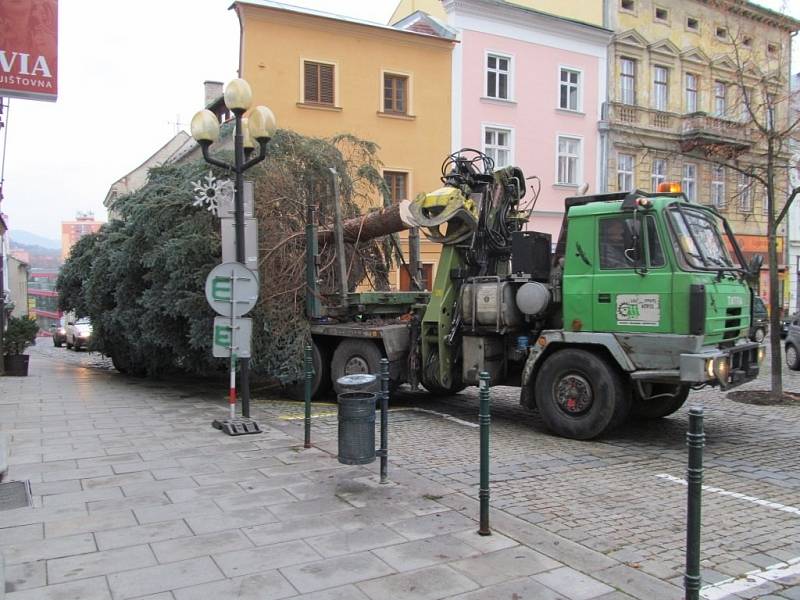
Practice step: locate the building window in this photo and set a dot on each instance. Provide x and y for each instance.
(397, 182)
(318, 83)
(395, 94)
(691, 93)
(661, 14)
(745, 192)
(570, 85)
(627, 5)
(658, 172)
(569, 160)
(627, 81)
(772, 49)
(721, 33)
(427, 278)
(660, 88)
(720, 99)
(692, 24)
(718, 186)
(747, 41)
(497, 145)
(498, 73)
(770, 100)
(689, 182)
(625, 172)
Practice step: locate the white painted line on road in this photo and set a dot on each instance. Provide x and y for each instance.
(707, 488)
(729, 587)
(444, 416)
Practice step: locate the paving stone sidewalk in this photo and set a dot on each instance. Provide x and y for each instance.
(136, 496)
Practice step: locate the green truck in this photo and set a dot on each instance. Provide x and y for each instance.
(642, 298)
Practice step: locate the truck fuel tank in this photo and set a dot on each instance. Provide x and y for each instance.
(489, 302)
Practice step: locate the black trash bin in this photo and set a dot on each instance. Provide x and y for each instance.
(356, 427)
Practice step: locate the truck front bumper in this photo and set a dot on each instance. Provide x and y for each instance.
(727, 368)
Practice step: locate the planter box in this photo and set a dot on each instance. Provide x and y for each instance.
(16, 365)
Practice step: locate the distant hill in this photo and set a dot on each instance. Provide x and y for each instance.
(21, 237)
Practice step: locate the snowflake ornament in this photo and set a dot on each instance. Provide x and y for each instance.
(211, 192)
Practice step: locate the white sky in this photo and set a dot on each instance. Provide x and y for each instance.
(127, 72)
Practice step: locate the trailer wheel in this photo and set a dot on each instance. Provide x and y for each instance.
(320, 383)
(580, 395)
(659, 407)
(354, 356)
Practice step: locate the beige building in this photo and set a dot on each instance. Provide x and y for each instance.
(691, 82)
(18, 286)
(72, 231)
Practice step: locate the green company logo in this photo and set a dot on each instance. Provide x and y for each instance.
(222, 336)
(221, 289)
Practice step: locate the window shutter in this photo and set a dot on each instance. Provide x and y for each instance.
(326, 85)
(310, 83)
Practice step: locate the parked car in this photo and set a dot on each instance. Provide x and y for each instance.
(760, 324)
(78, 333)
(792, 344)
(786, 320)
(59, 332)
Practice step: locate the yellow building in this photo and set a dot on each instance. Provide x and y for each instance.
(323, 75)
(691, 82)
(586, 11)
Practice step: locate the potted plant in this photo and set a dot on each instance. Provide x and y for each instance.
(20, 333)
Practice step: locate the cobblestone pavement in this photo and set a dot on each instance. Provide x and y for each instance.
(619, 497)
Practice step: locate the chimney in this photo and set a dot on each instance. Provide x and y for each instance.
(213, 91)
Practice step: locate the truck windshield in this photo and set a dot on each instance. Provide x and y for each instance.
(699, 239)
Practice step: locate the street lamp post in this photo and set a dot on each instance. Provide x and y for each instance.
(258, 128)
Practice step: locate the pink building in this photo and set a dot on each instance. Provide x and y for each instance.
(528, 89)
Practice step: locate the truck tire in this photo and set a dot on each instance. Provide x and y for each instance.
(320, 384)
(356, 356)
(431, 384)
(579, 395)
(659, 407)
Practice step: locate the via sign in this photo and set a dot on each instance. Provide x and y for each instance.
(231, 289)
(231, 335)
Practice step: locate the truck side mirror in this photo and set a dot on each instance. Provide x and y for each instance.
(635, 253)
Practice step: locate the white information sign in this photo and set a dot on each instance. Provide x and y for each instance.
(227, 205)
(639, 309)
(232, 335)
(228, 229)
(231, 289)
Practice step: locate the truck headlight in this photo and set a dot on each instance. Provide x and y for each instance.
(721, 368)
(710, 368)
(762, 353)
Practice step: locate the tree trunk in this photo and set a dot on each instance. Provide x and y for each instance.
(370, 226)
(774, 289)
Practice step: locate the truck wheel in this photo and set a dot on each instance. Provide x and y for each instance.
(792, 357)
(320, 384)
(659, 407)
(430, 379)
(579, 395)
(356, 356)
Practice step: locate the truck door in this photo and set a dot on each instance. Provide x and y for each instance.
(632, 279)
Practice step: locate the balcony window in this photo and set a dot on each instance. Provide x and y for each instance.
(658, 172)
(720, 99)
(569, 160)
(627, 81)
(497, 145)
(498, 73)
(625, 172)
(569, 89)
(690, 181)
(718, 186)
(691, 93)
(660, 88)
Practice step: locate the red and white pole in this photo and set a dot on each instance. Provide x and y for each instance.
(232, 395)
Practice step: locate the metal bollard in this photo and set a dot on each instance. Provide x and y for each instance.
(484, 418)
(384, 450)
(695, 439)
(309, 371)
